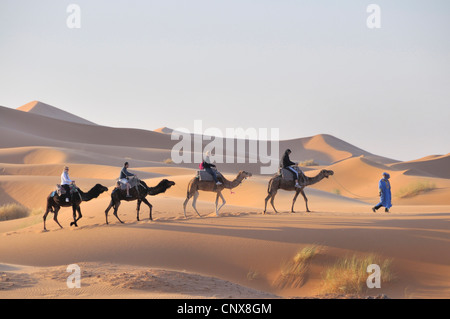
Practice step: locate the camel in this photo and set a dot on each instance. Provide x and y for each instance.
(138, 194)
(277, 183)
(55, 202)
(196, 185)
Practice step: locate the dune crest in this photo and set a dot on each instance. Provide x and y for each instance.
(40, 108)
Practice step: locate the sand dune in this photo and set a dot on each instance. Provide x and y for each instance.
(236, 255)
(435, 165)
(164, 130)
(43, 109)
(107, 280)
(49, 128)
(326, 149)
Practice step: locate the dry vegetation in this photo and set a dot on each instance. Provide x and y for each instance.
(348, 275)
(13, 211)
(309, 162)
(294, 272)
(168, 161)
(415, 189)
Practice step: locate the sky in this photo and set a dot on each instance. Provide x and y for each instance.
(305, 67)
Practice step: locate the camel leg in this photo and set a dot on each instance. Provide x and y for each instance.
(265, 203)
(186, 201)
(184, 205)
(293, 201)
(79, 213)
(194, 203)
(76, 209)
(217, 201)
(111, 204)
(223, 202)
(138, 207)
(116, 208)
(149, 206)
(306, 200)
(74, 212)
(45, 217)
(55, 218)
(272, 203)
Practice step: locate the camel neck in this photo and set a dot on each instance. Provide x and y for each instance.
(315, 179)
(232, 184)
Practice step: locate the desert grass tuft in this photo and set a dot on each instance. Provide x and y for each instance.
(13, 211)
(416, 188)
(293, 273)
(168, 161)
(349, 275)
(252, 274)
(309, 162)
(337, 191)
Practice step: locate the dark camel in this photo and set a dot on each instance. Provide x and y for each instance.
(210, 186)
(54, 203)
(138, 194)
(277, 183)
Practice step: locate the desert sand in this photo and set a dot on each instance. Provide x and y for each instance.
(236, 255)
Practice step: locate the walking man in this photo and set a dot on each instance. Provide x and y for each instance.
(385, 194)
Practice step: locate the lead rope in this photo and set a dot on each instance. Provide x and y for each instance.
(346, 189)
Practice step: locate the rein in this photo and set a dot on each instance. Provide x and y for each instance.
(356, 195)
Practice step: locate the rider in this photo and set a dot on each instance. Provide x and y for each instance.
(66, 182)
(207, 167)
(286, 163)
(124, 174)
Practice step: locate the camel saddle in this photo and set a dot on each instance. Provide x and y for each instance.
(134, 182)
(289, 176)
(61, 191)
(204, 176)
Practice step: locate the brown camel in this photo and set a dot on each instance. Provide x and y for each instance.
(277, 183)
(55, 202)
(196, 185)
(140, 193)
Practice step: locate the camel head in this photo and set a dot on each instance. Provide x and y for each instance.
(162, 186)
(93, 193)
(168, 184)
(98, 189)
(244, 174)
(326, 173)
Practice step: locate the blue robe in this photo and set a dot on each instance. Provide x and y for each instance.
(385, 190)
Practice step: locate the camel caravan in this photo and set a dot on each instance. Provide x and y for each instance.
(208, 179)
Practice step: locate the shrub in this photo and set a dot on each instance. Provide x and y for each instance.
(252, 274)
(337, 191)
(348, 275)
(415, 188)
(294, 272)
(168, 161)
(309, 162)
(13, 211)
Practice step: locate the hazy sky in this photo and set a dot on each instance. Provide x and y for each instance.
(306, 67)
